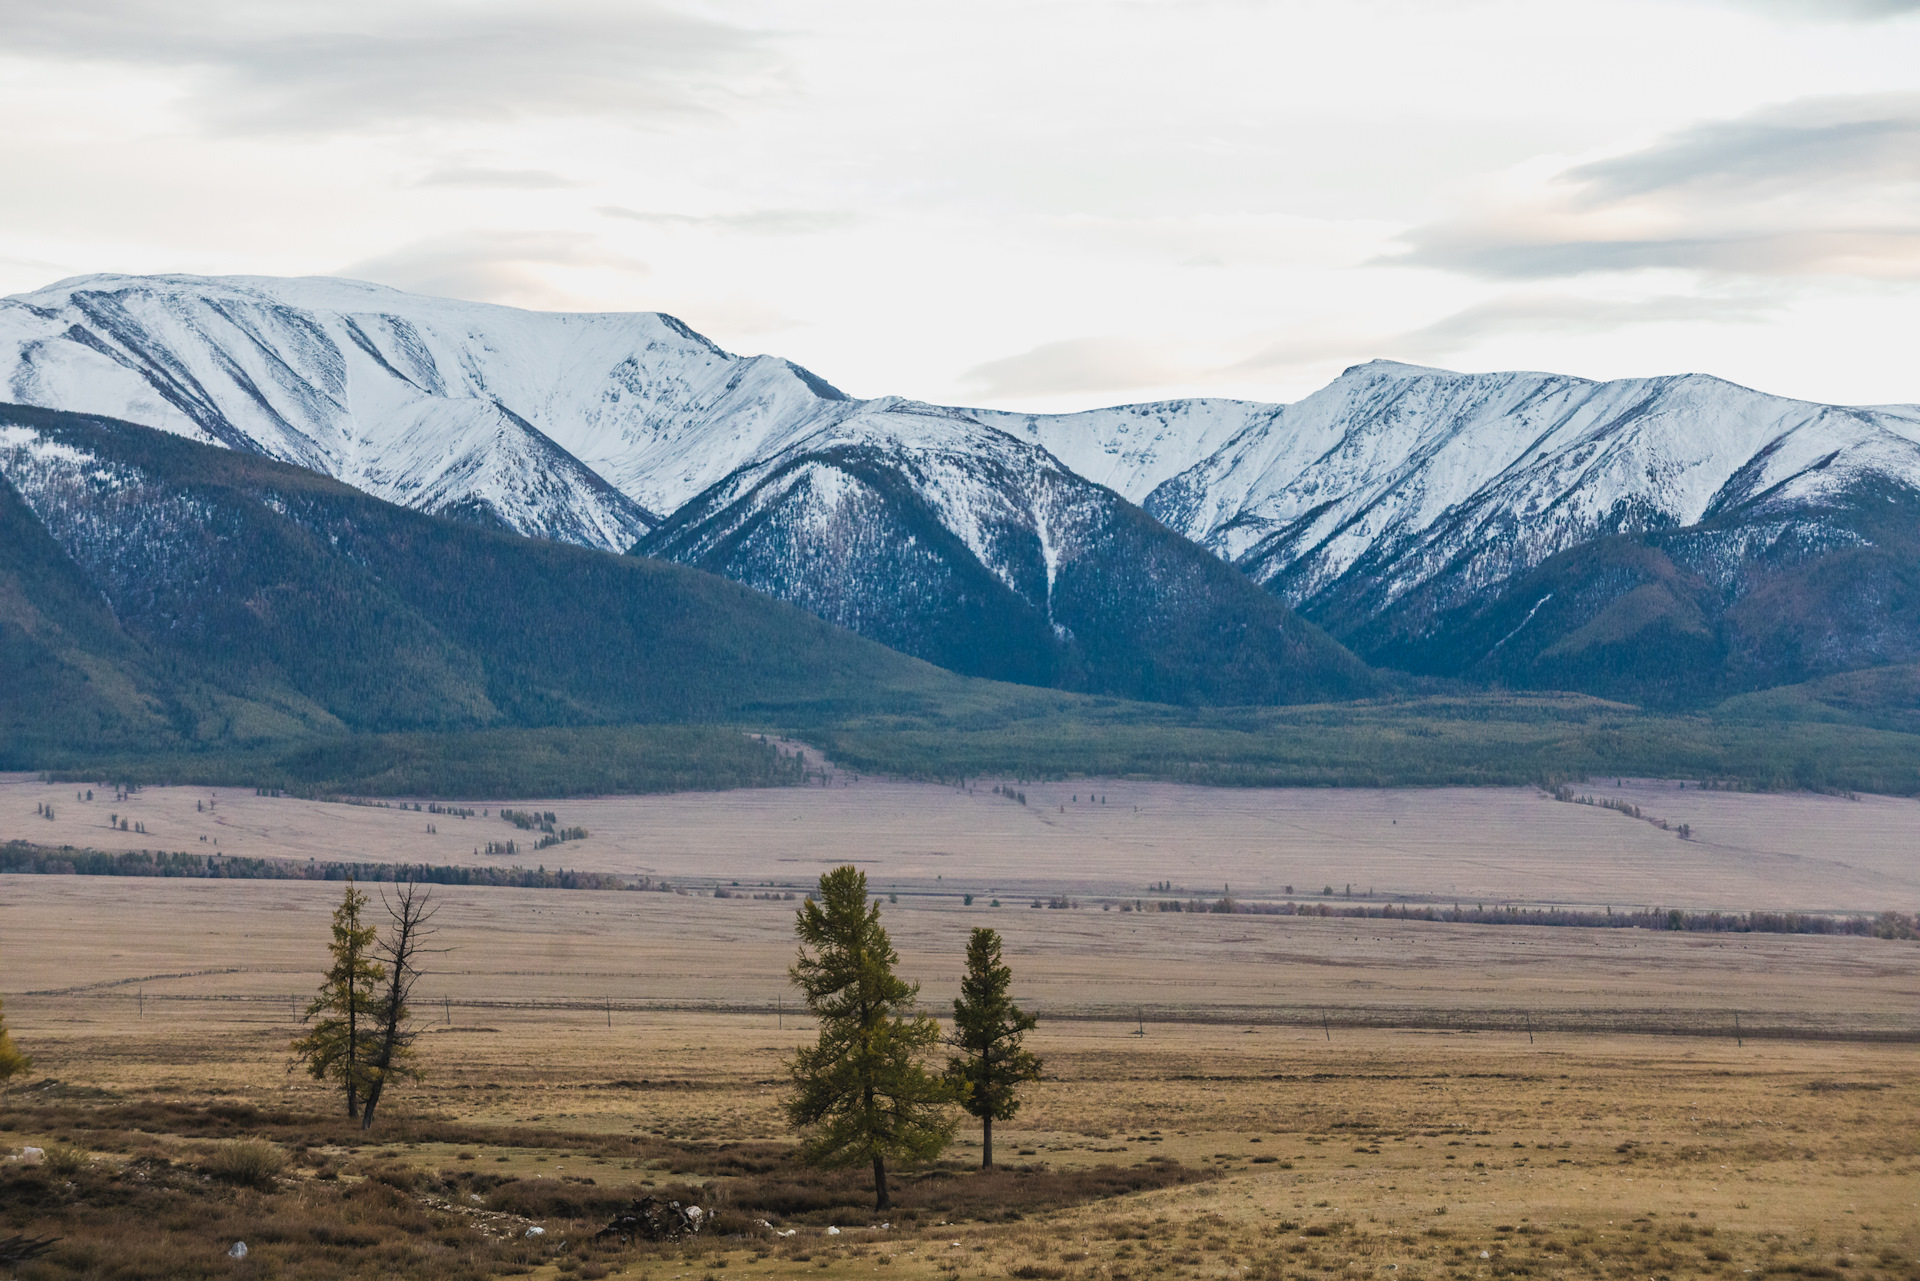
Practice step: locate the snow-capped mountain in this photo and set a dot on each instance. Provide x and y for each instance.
(1659, 533)
(578, 427)
(924, 529)
(157, 593)
(1410, 511)
(1397, 474)
(986, 555)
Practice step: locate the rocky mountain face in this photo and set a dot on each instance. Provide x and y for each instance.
(934, 534)
(1674, 538)
(1667, 539)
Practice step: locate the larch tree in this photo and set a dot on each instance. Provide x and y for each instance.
(861, 1094)
(12, 1062)
(408, 928)
(987, 1031)
(340, 1040)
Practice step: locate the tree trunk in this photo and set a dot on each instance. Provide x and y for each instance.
(353, 1049)
(880, 1199)
(986, 1143)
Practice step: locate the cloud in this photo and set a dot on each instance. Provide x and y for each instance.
(1075, 364)
(1560, 313)
(1822, 186)
(492, 266)
(480, 176)
(1775, 152)
(1831, 10)
(1524, 313)
(768, 222)
(264, 66)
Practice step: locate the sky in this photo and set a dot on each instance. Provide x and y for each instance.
(1031, 204)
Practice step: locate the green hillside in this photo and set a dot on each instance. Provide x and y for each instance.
(205, 598)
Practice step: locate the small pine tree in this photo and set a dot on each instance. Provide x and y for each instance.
(342, 1037)
(12, 1062)
(860, 1093)
(987, 1030)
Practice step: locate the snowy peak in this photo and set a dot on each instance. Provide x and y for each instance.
(569, 426)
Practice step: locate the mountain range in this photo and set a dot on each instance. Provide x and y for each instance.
(1672, 540)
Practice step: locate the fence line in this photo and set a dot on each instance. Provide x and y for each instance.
(1520, 1021)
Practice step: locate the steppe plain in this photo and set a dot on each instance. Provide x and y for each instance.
(1363, 1097)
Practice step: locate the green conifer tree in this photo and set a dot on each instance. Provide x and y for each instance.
(342, 1038)
(861, 1093)
(987, 1030)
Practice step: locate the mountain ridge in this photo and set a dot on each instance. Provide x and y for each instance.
(1398, 508)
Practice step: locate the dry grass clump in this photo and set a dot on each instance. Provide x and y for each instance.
(247, 1163)
(64, 1160)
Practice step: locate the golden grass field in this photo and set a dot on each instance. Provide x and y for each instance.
(634, 1038)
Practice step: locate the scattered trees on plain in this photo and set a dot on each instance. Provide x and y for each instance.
(861, 1093)
(987, 1031)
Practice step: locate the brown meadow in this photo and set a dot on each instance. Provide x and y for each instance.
(1226, 1096)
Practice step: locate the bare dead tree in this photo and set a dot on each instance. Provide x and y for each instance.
(409, 926)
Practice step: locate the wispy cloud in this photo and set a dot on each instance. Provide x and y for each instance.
(481, 176)
(1075, 365)
(1831, 10)
(491, 266)
(355, 65)
(1823, 186)
(1530, 313)
(766, 222)
(1561, 313)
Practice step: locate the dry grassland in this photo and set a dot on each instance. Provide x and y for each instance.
(1374, 1154)
(94, 948)
(1776, 852)
(636, 1040)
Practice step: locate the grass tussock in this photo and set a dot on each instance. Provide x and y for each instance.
(247, 1163)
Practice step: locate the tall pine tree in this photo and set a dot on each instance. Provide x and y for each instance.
(343, 1034)
(987, 1030)
(861, 1094)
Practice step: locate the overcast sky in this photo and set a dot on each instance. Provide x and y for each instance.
(1035, 203)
